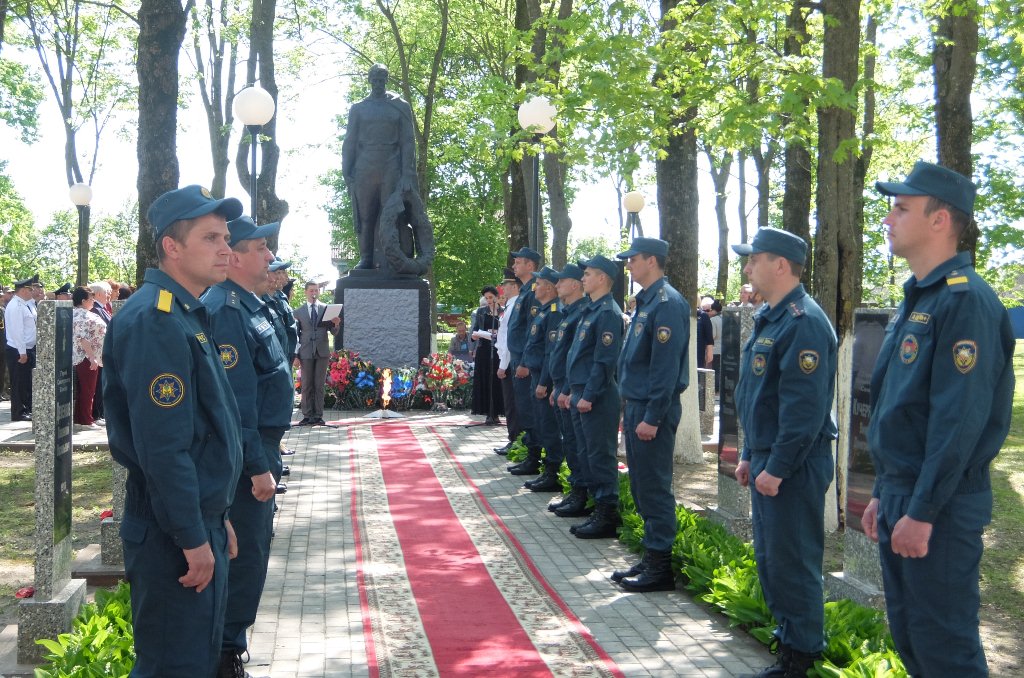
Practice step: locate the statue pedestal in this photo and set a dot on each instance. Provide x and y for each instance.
(386, 320)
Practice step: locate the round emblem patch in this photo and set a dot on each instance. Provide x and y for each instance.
(808, 361)
(758, 364)
(638, 329)
(581, 335)
(534, 310)
(965, 355)
(607, 338)
(552, 335)
(909, 348)
(228, 356)
(166, 390)
(561, 333)
(664, 333)
(533, 329)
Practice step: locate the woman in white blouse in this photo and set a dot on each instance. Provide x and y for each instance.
(86, 354)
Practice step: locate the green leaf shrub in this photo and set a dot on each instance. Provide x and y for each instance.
(101, 643)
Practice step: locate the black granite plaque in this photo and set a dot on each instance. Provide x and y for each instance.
(62, 424)
(868, 332)
(728, 429)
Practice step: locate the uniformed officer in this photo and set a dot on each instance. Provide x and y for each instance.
(784, 402)
(941, 392)
(6, 294)
(20, 346)
(278, 300)
(570, 292)
(653, 371)
(543, 332)
(525, 264)
(261, 379)
(173, 422)
(594, 393)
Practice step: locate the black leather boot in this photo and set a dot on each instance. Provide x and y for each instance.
(656, 576)
(575, 505)
(566, 498)
(231, 665)
(800, 663)
(527, 467)
(545, 482)
(781, 666)
(602, 525)
(638, 567)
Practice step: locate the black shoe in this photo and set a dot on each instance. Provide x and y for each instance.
(530, 467)
(657, 574)
(281, 488)
(602, 525)
(503, 451)
(585, 523)
(545, 482)
(287, 453)
(231, 665)
(575, 505)
(24, 417)
(286, 471)
(638, 567)
(306, 421)
(491, 422)
(800, 663)
(318, 422)
(781, 666)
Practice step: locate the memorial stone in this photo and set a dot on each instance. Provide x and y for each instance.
(861, 578)
(57, 596)
(733, 510)
(706, 401)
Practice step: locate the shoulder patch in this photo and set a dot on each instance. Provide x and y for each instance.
(166, 390)
(795, 310)
(533, 329)
(965, 355)
(534, 310)
(607, 338)
(164, 301)
(808, 361)
(956, 279)
(664, 334)
(228, 356)
(552, 335)
(554, 306)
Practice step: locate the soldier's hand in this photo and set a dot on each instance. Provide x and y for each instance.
(645, 431)
(232, 540)
(767, 484)
(264, 486)
(563, 401)
(743, 473)
(200, 567)
(541, 392)
(584, 405)
(501, 373)
(22, 359)
(910, 537)
(522, 372)
(869, 521)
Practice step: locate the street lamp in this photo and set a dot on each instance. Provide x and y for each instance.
(81, 196)
(633, 202)
(254, 107)
(537, 116)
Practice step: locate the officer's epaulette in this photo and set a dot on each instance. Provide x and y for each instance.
(165, 301)
(663, 296)
(554, 306)
(956, 281)
(232, 299)
(796, 310)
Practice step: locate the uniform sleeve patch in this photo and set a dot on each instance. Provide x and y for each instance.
(664, 334)
(166, 390)
(909, 348)
(965, 355)
(534, 310)
(607, 338)
(638, 329)
(228, 356)
(758, 364)
(808, 361)
(552, 335)
(533, 329)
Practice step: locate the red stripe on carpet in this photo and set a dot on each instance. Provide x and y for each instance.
(364, 603)
(470, 627)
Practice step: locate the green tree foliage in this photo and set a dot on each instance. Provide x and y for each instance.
(112, 245)
(20, 96)
(17, 234)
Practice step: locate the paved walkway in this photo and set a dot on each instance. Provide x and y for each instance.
(311, 622)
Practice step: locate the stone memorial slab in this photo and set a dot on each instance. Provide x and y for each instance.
(384, 320)
(57, 596)
(706, 400)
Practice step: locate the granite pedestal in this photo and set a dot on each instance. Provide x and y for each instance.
(386, 320)
(706, 401)
(57, 596)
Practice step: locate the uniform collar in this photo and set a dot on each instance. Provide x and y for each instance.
(773, 313)
(576, 304)
(182, 296)
(960, 260)
(597, 303)
(647, 293)
(251, 302)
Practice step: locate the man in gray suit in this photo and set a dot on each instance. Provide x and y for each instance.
(313, 354)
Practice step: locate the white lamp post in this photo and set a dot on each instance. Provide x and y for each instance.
(537, 116)
(254, 107)
(81, 196)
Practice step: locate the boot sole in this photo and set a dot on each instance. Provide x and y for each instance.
(667, 586)
(604, 534)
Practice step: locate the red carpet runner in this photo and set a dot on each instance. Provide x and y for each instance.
(446, 590)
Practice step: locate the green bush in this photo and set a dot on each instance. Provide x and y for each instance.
(101, 643)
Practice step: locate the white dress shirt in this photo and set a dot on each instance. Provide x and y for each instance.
(20, 319)
(501, 343)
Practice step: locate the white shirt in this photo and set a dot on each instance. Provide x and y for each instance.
(20, 320)
(504, 357)
(716, 327)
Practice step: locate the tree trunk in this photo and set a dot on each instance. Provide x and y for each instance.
(269, 207)
(517, 220)
(838, 247)
(3, 22)
(720, 177)
(741, 198)
(868, 119)
(561, 224)
(954, 61)
(796, 198)
(679, 220)
(161, 30)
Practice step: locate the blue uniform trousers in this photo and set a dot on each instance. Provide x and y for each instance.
(548, 433)
(254, 526)
(177, 631)
(600, 428)
(581, 470)
(932, 602)
(569, 444)
(789, 544)
(524, 407)
(650, 474)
